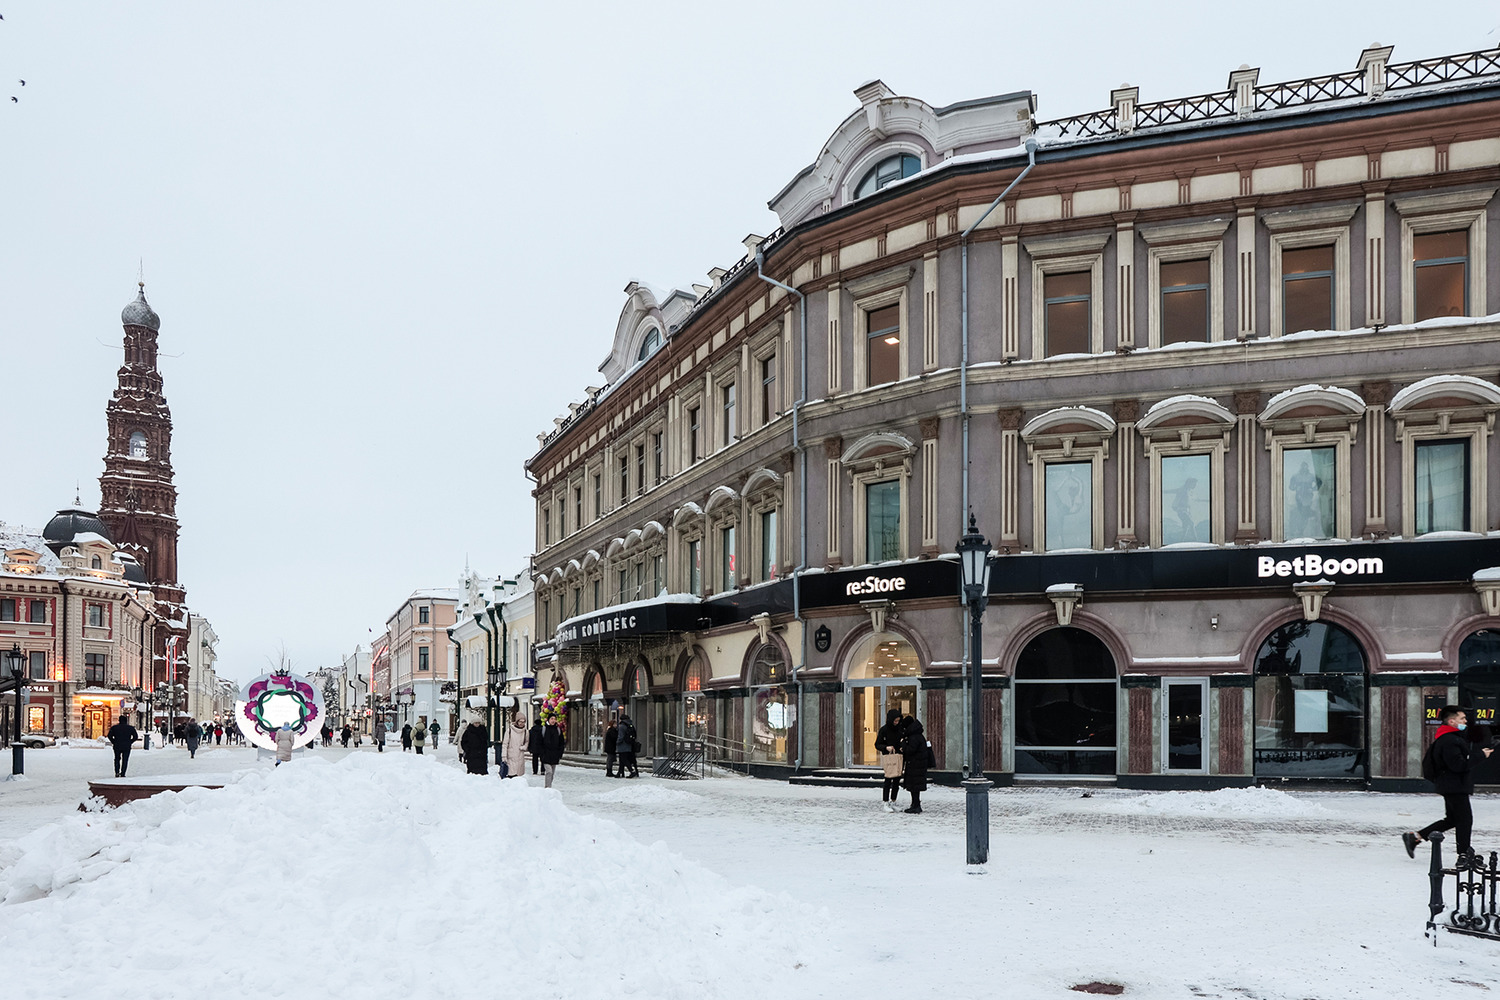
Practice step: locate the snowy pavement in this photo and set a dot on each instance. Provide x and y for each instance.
(726, 887)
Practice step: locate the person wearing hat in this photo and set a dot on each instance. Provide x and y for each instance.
(627, 747)
(474, 746)
(285, 739)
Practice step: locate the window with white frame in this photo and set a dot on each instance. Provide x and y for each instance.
(1310, 460)
(768, 544)
(892, 168)
(693, 570)
(769, 403)
(883, 345)
(1186, 438)
(729, 430)
(1185, 268)
(1442, 246)
(1309, 254)
(727, 556)
(1443, 426)
(94, 615)
(1067, 294)
(1067, 447)
(880, 470)
(1440, 494)
(1068, 504)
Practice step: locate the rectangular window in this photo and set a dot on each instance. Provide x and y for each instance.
(36, 718)
(562, 520)
(94, 667)
(546, 525)
(640, 581)
(422, 616)
(36, 613)
(883, 521)
(695, 443)
(658, 470)
(658, 574)
(1186, 503)
(597, 605)
(883, 344)
(577, 601)
(622, 592)
(1067, 303)
(1184, 301)
(640, 469)
(768, 545)
(7, 609)
(1307, 289)
(1440, 275)
(726, 558)
(1069, 505)
(768, 401)
(562, 610)
(731, 432)
(95, 616)
(38, 665)
(1309, 492)
(598, 496)
(1442, 486)
(422, 661)
(624, 478)
(695, 567)
(578, 506)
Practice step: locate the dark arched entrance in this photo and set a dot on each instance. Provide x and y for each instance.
(1066, 699)
(1310, 692)
(1479, 692)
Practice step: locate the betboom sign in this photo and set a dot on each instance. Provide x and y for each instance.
(1312, 566)
(875, 585)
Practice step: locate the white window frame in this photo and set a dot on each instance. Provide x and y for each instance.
(1297, 229)
(862, 308)
(1042, 265)
(1157, 256)
(1342, 440)
(1475, 432)
(1039, 458)
(1215, 448)
(869, 477)
(1441, 212)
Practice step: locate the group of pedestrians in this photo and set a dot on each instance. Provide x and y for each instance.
(905, 756)
(543, 743)
(620, 744)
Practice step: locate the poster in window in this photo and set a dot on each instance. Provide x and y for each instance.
(1070, 500)
(1185, 507)
(1310, 711)
(1309, 482)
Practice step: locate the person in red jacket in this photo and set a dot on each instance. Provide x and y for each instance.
(1449, 765)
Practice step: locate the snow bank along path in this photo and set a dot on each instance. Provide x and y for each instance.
(382, 878)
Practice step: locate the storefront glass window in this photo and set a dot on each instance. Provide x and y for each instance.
(1309, 484)
(884, 678)
(1442, 486)
(726, 558)
(1185, 502)
(768, 545)
(1310, 703)
(774, 708)
(1069, 505)
(1065, 693)
(1479, 694)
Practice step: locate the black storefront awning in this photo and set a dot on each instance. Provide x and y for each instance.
(640, 620)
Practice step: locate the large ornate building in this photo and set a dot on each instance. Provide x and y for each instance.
(1217, 375)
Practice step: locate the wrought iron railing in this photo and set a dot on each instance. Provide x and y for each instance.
(1475, 879)
(1274, 96)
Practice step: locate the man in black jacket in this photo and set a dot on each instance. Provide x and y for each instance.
(611, 744)
(474, 744)
(552, 744)
(121, 735)
(627, 747)
(1449, 765)
(534, 746)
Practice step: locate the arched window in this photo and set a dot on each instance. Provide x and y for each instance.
(697, 709)
(892, 168)
(650, 345)
(1065, 705)
(96, 563)
(774, 710)
(138, 446)
(768, 667)
(1310, 703)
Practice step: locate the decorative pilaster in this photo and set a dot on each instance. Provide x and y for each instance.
(835, 353)
(1125, 282)
(1127, 412)
(1377, 396)
(1246, 408)
(929, 426)
(1010, 314)
(1245, 271)
(930, 312)
(1375, 258)
(833, 450)
(1010, 481)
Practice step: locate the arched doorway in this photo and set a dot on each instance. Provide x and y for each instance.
(1479, 692)
(774, 710)
(1310, 703)
(882, 676)
(697, 707)
(638, 698)
(1066, 705)
(596, 713)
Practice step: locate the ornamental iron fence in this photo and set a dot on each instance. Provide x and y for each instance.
(1475, 879)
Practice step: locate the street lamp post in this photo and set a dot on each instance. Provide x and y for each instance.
(17, 749)
(974, 558)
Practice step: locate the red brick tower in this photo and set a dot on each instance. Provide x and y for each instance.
(137, 499)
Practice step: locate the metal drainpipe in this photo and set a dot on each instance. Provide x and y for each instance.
(488, 659)
(801, 452)
(963, 390)
(62, 589)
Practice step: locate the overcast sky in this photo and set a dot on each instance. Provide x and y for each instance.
(388, 242)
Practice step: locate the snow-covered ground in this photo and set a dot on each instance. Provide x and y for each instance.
(388, 876)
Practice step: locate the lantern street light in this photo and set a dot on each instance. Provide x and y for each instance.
(974, 559)
(17, 749)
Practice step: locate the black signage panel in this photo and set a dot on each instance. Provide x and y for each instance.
(1432, 705)
(907, 582)
(640, 620)
(822, 639)
(1481, 710)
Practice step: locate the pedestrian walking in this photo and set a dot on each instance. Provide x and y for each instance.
(1449, 765)
(418, 737)
(888, 746)
(551, 752)
(194, 735)
(611, 745)
(627, 747)
(344, 735)
(534, 746)
(406, 737)
(379, 734)
(285, 738)
(916, 756)
(474, 747)
(164, 740)
(513, 748)
(122, 736)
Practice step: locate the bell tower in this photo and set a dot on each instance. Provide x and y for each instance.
(137, 498)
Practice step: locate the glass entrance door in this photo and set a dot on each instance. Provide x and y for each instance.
(869, 701)
(1184, 729)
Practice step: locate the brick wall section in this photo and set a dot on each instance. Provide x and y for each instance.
(994, 727)
(1393, 731)
(937, 723)
(1138, 760)
(1232, 730)
(828, 722)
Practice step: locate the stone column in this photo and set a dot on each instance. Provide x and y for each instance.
(1010, 481)
(1127, 412)
(929, 427)
(1377, 396)
(1247, 409)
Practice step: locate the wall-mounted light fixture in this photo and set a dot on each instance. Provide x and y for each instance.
(1213, 623)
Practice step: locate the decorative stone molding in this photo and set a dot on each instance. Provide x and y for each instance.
(878, 611)
(1066, 598)
(1311, 595)
(1487, 584)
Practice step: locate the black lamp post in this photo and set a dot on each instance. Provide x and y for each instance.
(17, 674)
(974, 558)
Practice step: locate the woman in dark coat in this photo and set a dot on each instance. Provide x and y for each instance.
(916, 751)
(888, 740)
(475, 745)
(406, 737)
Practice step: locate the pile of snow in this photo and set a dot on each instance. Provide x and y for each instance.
(646, 795)
(1251, 803)
(364, 865)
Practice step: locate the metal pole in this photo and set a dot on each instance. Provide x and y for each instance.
(977, 786)
(17, 751)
